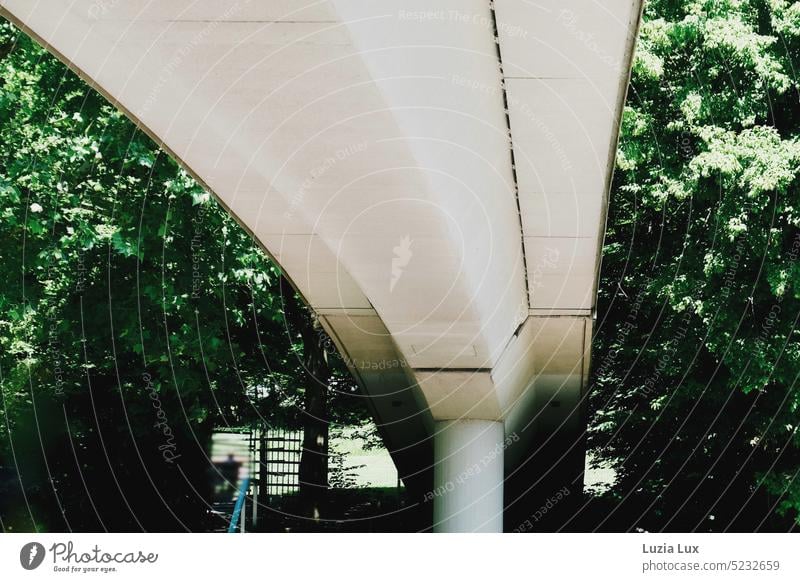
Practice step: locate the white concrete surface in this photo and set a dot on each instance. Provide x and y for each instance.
(468, 476)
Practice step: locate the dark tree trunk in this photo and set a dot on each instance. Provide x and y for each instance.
(314, 458)
(313, 473)
(6, 49)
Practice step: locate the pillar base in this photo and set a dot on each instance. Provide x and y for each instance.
(468, 476)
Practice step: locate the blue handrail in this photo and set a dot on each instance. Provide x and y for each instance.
(237, 509)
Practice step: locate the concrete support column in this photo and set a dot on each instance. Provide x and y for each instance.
(468, 476)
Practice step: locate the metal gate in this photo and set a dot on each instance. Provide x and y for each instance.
(275, 461)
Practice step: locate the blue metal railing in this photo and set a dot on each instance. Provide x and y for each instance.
(237, 509)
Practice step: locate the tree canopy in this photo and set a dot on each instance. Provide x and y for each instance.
(696, 359)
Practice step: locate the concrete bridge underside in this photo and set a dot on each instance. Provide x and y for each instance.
(433, 178)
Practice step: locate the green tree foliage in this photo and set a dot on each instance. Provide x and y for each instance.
(695, 396)
(135, 315)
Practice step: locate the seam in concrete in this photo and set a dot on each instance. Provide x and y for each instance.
(507, 114)
(458, 370)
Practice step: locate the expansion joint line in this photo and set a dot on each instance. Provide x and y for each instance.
(504, 93)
